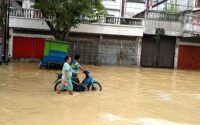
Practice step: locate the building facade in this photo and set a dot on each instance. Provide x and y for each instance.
(115, 39)
(124, 8)
(158, 40)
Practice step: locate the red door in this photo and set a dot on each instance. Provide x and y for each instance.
(39, 47)
(28, 47)
(189, 57)
(196, 58)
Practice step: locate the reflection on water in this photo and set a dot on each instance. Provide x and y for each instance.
(130, 96)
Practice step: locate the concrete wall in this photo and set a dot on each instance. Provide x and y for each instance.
(113, 7)
(98, 28)
(171, 28)
(110, 29)
(191, 29)
(27, 4)
(32, 23)
(112, 12)
(133, 8)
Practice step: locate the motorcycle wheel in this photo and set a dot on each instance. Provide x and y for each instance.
(95, 86)
(57, 86)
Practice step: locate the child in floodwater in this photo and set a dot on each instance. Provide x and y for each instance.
(76, 67)
(66, 77)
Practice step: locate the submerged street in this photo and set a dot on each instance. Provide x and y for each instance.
(130, 96)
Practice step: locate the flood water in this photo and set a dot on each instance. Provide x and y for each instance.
(130, 96)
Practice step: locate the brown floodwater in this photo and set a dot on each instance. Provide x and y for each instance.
(130, 96)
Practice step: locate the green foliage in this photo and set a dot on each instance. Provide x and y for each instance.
(171, 9)
(61, 15)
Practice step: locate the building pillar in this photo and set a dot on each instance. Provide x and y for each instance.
(176, 53)
(139, 49)
(123, 8)
(98, 59)
(10, 43)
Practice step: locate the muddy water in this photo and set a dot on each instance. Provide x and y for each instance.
(130, 96)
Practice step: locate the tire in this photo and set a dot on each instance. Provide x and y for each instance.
(57, 85)
(95, 87)
(56, 81)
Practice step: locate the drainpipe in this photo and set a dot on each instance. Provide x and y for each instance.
(188, 5)
(147, 8)
(123, 8)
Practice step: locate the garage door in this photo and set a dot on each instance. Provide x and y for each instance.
(189, 57)
(28, 47)
(108, 51)
(158, 54)
(122, 52)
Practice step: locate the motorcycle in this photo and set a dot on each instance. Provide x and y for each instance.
(88, 84)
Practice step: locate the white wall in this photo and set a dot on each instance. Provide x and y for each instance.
(26, 4)
(111, 29)
(133, 8)
(113, 7)
(18, 22)
(171, 28)
(112, 4)
(115, 13)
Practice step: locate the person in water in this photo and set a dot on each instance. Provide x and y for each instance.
(76, 67)
(66, 77)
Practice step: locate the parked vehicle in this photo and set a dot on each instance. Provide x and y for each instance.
(55, 58)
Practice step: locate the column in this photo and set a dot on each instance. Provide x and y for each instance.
(176, 53)
(139, 49)
(10, 43)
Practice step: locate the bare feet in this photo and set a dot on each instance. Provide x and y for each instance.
(58, 92)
